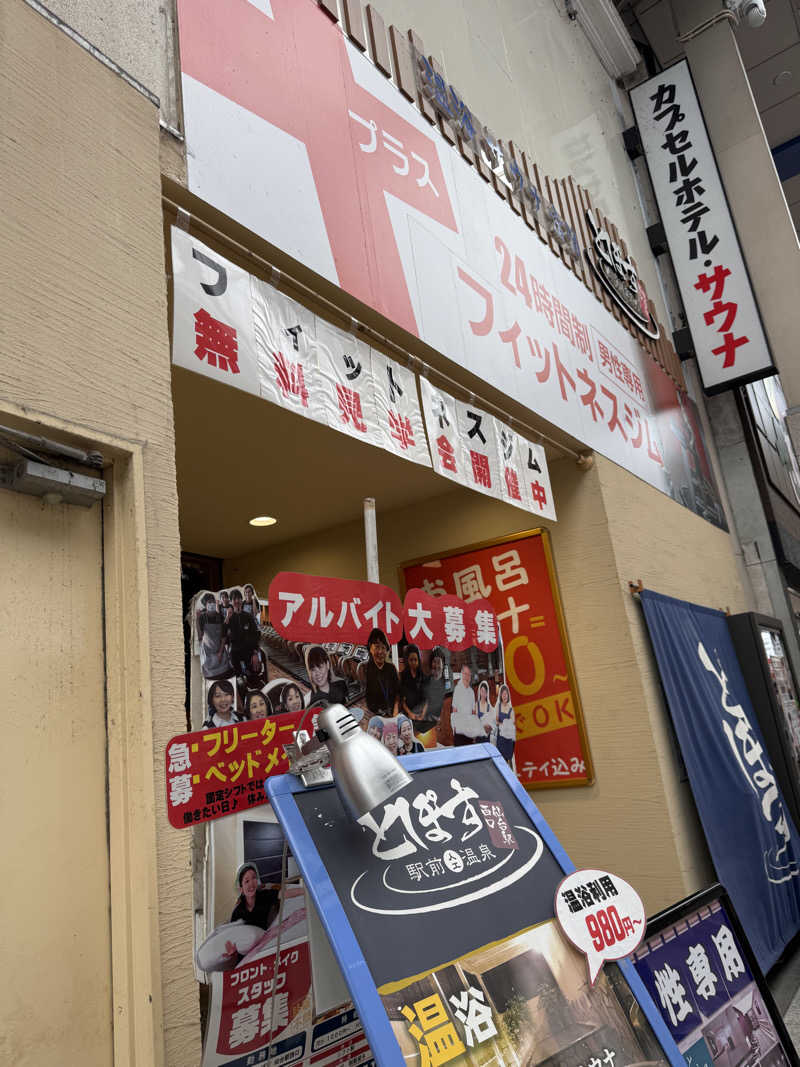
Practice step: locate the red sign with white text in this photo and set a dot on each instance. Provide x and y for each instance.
(447, 621)
(256, 1007)
(516, 579)
(307, 608)
(216, 772)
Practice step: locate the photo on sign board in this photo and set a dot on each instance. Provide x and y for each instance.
(260, 1008)
(703, 976)
(526, 999)
(453, 698)
(238, 878)
(538, 722)
(304, 673)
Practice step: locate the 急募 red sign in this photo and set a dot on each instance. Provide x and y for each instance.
(217, 772)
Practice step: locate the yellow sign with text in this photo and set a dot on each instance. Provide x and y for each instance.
(545, 715)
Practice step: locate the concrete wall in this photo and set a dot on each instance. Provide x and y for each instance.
(138, 35)
(83, 336)
(638, 819)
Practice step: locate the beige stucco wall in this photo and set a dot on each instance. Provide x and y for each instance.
(83, 338)
(638, 818)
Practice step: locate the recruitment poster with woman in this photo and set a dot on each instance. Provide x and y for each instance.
(252, 950)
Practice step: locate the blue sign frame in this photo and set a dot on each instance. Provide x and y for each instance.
(281, 792)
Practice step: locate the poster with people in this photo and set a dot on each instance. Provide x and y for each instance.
(258, 966)
(515, 578)
(255, 681)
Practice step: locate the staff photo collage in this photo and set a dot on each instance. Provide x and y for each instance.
(410, 701)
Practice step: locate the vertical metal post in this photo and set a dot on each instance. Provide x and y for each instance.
(371, 540)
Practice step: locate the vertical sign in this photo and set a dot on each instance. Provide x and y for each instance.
(212, 323)
(515, 575)
(726, 327)
(701, 973)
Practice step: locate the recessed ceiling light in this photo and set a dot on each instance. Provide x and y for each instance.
(263, 520)
(782, 78)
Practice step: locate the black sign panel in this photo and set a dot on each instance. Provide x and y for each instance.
(454, 853)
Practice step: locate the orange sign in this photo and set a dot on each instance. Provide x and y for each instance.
(516, 576)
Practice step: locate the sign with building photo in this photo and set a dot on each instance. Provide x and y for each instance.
(397, 219)
(723, 316)
(752, 840)
(545, 736)
(439, 906)
(701, 973)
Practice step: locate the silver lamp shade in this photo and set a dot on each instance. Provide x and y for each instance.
(364, 771)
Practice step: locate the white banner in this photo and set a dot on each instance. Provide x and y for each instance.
(720, 306)
(277, 349)
(363, 191)
(287, 361)
(441, 422)
(479, 449)
(397, 410)
(345, 376)
(212, 326)
(536, 489)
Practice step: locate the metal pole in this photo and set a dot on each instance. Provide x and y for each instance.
(371, 540)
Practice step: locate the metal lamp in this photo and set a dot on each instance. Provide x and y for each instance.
(365, 773)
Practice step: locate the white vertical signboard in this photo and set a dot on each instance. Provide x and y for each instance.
(441, 422)
(285, 335)
(212, 322)
(397, 410)
(345, 373)
(720, 305)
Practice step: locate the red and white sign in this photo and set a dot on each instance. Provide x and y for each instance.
(729, 338)
(345, 375)
(216, 772)
(602, 915)
(475, 449)
(431, 621)
(516, 580)
(397, 410)
(212, 323)
(285, 333)
(476, 430)
(307, 608)
(292, 132)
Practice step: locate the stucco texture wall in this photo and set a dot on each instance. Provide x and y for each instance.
(83, 331)
(638, 818)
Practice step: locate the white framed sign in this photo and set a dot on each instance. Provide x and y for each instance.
(729, 338)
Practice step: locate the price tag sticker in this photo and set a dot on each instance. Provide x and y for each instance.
(601, 914)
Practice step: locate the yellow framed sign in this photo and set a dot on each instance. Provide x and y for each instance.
(516, 575)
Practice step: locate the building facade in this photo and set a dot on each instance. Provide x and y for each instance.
(126, 122)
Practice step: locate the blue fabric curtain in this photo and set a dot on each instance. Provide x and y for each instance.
(752, 840)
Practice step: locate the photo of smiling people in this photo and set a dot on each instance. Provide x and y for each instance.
(451, 697)
(221, 704)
